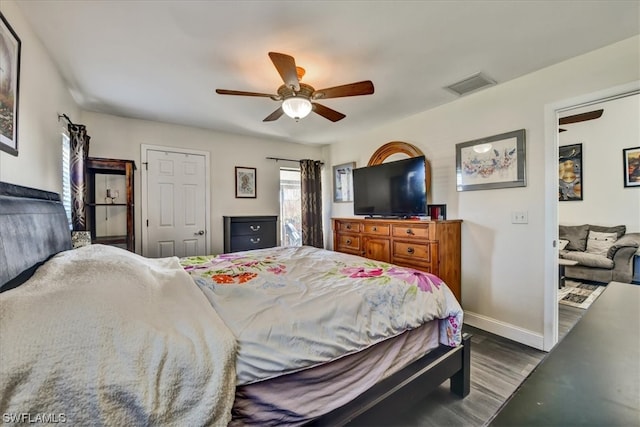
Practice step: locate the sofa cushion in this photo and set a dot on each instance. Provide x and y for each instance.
(618, 229)
(587, 259)
(576, 235)
(599, 243)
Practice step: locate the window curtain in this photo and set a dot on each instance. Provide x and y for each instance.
(311, 199)
(79, 148)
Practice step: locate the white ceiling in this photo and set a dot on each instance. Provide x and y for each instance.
(162, 60)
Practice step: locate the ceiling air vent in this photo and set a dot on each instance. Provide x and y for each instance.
(471, 84)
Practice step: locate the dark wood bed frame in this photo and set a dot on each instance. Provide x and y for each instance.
(34, 227)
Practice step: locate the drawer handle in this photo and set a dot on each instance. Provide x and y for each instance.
(410, 250)
(348, 241)
(409, 231)
(257, 240)
(348, 227)
(375, 228)
(254, 227)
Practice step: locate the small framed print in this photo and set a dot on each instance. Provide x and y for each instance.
(631, 165)
(245, 183)
(343, 182)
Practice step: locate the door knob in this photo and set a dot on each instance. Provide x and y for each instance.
(199, 233)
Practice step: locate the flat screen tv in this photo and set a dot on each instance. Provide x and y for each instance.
(394, 189)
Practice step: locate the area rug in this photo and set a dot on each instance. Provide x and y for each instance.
(578, 294)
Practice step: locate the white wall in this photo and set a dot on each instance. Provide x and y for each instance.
(605, 199)
(42, 95)
(120, 138)
(502, 263)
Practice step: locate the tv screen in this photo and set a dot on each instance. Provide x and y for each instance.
(395, 189)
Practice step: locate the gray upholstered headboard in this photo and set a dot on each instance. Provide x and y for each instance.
(33, 227)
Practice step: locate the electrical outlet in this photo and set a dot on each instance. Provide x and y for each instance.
(519, 217)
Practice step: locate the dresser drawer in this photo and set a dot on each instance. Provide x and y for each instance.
(377, 229)
(253, 228)
(420, 231)
(348, 226)
(418, 251)
(245, 243)
(349, 243)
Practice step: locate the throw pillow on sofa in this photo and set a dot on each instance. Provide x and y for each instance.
(576, 235)
(600, 243)
(618, 229)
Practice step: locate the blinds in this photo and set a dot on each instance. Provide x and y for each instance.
(66, 177)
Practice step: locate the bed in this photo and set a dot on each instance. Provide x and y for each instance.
(99, 335)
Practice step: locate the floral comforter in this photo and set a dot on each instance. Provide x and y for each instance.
(295, 307)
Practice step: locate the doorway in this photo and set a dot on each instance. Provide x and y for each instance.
(552, 114)
(175, 202)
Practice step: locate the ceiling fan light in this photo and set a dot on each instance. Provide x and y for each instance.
(296, 107)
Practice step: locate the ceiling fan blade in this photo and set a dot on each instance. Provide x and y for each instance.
(274, 116)
(239, 92)
(353, 89)
(327, 112)
(590, 115)
(286, 67)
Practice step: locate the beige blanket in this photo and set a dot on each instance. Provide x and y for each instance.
(101, 336)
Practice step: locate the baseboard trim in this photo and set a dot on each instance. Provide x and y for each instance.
(506, 330)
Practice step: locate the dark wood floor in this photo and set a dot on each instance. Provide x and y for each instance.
(498, 367)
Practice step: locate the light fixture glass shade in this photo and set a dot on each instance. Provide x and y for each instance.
(296, 107)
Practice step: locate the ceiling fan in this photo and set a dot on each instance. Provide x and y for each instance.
(298, 99)
(582, 117)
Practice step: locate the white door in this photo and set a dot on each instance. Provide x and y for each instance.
(176, 204)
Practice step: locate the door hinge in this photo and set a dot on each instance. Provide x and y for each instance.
(146, 165)
(147, 223)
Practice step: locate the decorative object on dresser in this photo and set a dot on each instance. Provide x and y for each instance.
(245, 183)
(343, 182)
(242, 233)
(431, 246)
(494, 162)
(10, 87)
(110, 202)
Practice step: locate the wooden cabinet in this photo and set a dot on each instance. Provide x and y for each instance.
(242, 233)
(110, 202)
(431, 246)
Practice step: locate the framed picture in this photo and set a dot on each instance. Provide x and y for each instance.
(631, 164)
(570, 173)
(494, 162)
(343, 182)
(245, 183)
(9, 87)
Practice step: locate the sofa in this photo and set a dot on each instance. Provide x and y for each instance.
(603, 254)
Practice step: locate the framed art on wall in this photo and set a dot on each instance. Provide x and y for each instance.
(9, 87)
(245, 183)
(494, 162)
(631, 165)
(343, 182)
(570, 173)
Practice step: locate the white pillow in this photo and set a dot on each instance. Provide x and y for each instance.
(599, 243)
(562, 244)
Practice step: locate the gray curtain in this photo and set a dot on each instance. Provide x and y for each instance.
(311, 198)
(79, 148)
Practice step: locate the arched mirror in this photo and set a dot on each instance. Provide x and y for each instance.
(397, 150)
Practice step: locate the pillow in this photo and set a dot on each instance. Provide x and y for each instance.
(599, 243)
(618, 229)
(562, 244)
(576, 235)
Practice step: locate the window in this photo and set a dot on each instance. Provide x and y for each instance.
(66, 177)
(290, 208)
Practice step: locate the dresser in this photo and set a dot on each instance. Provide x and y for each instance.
(242, 233)
(431, 246)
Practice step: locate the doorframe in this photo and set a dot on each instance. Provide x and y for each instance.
(144, 149)
(551, 114)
